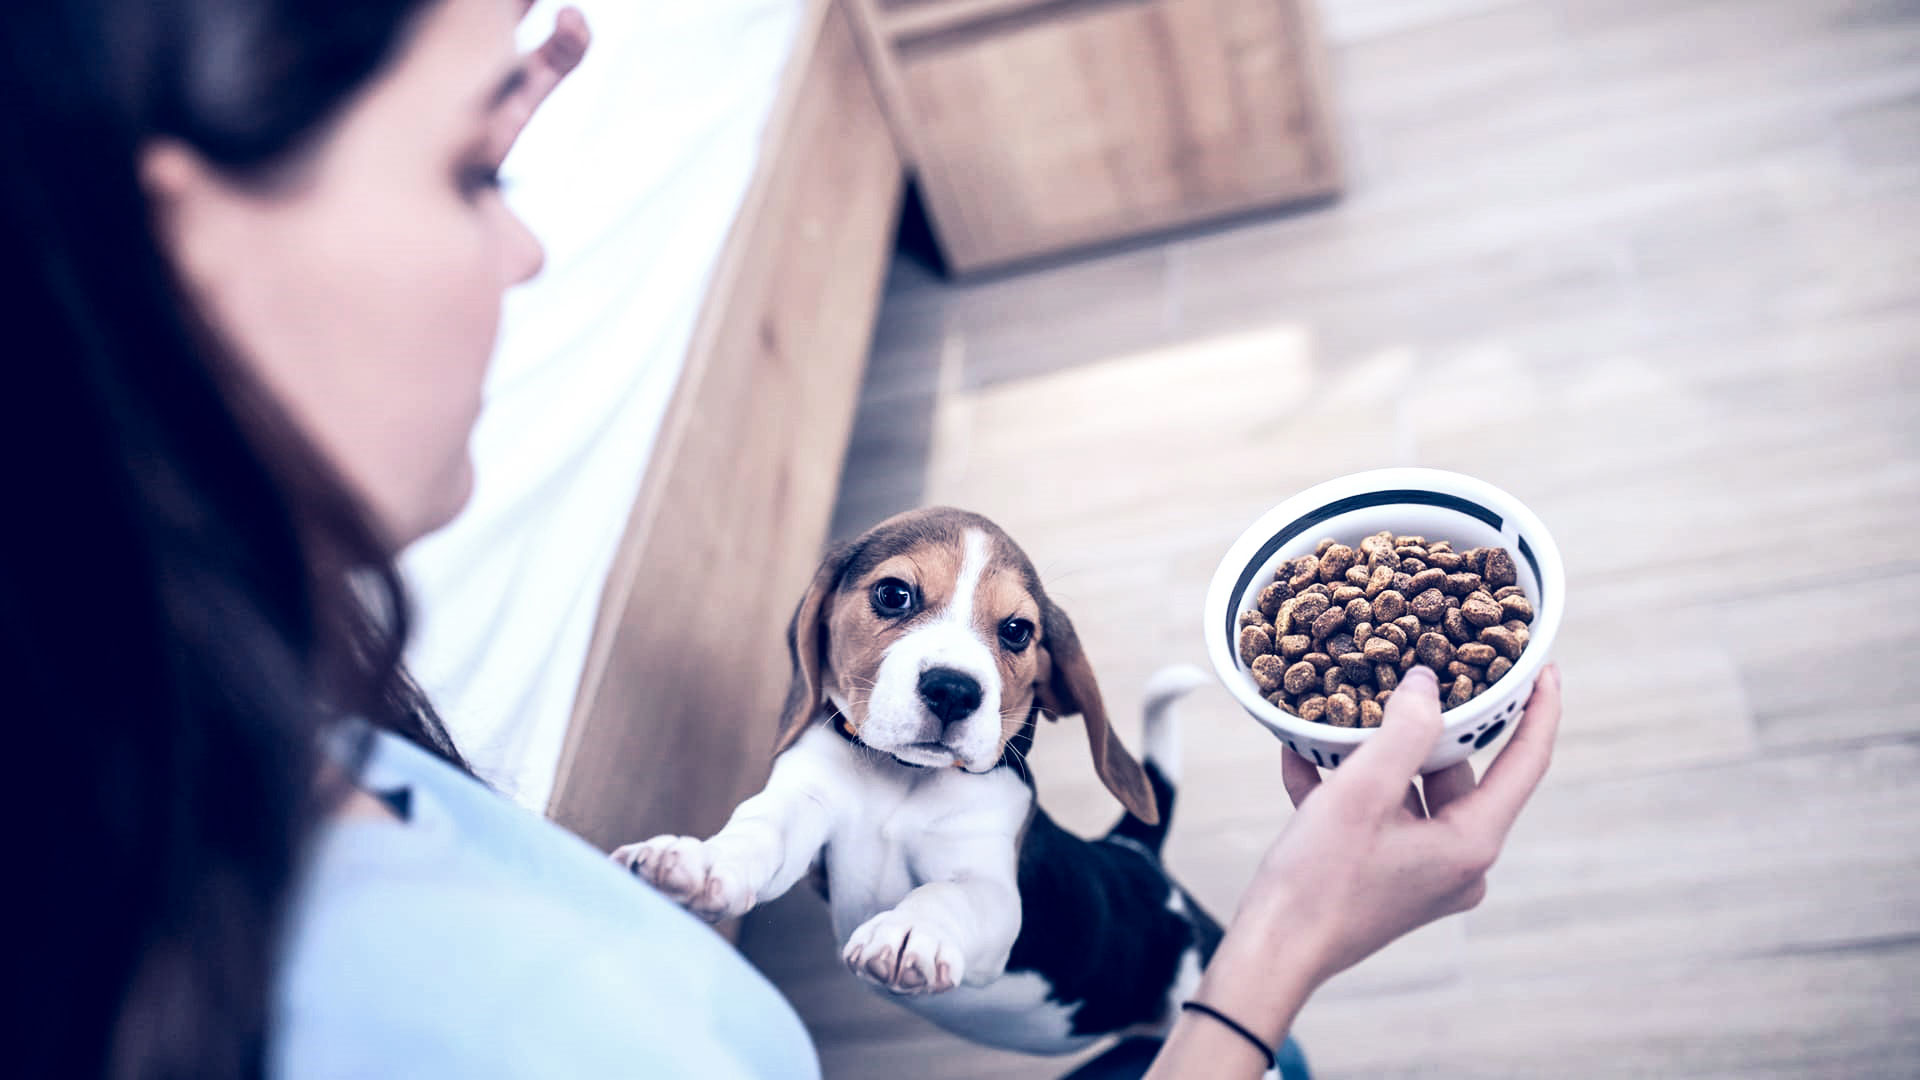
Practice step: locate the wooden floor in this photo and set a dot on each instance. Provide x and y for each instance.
(1652, 265)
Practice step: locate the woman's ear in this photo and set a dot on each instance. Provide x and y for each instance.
(199, 217)
(807, 644)
(1068, 687)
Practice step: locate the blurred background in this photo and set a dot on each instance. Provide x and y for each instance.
(1650, 265)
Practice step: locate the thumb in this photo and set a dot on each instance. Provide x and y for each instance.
(1386, 762)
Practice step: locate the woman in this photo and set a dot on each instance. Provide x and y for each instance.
(255, 258)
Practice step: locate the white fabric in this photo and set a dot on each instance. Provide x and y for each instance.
(632, 174)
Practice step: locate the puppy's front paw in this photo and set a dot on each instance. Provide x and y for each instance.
(892, 951)
(687, 872)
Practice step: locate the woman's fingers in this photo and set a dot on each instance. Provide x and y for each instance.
(1446, 786)
(545, 67)
(1510, 780)
(1300, 775)
(1412, 804)
(1380, 770)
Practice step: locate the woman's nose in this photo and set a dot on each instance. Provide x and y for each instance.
(525, 255)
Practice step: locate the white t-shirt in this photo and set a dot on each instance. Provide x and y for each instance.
(479, 940)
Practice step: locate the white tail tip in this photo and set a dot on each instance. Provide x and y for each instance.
(1161, 739)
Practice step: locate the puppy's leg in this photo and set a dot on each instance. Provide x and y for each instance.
(767, 845)
(956, 929)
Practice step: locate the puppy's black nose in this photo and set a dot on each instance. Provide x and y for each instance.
(950, 695)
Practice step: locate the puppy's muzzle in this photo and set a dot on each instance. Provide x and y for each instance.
(950, 696)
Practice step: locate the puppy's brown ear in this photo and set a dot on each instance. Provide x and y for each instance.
(807, 644)
(1068, 687)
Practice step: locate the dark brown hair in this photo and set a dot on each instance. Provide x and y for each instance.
(189, 595)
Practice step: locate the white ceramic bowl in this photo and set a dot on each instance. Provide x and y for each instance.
(1417, 502)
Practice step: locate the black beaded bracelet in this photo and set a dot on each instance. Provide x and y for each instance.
(1266, 1052)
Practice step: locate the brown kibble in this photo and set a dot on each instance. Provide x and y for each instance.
(1366, 694)
(1380, 699)
(1342, 642)
(1343, 711)
(1332, 680)
(1456, 626)
(1306, 571)
(1283, 619)
(1461, 584)
(1268, 672)
(1255, 642)
(1407, 660)
(1505, 591)
(1253, 617)
(1410, 551)
(1445, 560)
(1477, 652)
(1477, 560)
(1457, 669)
(1295, 646)
(1389, 605)
(1480, 610)
(1359, 611)
(1325, 543)
(1461, 692)
(1434, 650)
(1285, 707)
(1500, 569)
(1316, 589)
(1335, 562)
(1453, 602)
(1392, 632)
(1498, 667)
(1517, 607)
(1320, 661)
(1479, 688)
(1358, 576)
(1313, 707)
(1378, 581)
(1386, 677)
(1371, 714)
(1378, 543)
(1440, 545)
(1427, 579)
(1307, 608)
(1402, 582)
(1362, 634)
(1503, 641)
(1520, 633)
(1347, 594)
(1381, 651)
(1299, 678)
(1429, 605)
(1409, 625)
(1413, 566)
(1355, 668)
(1273, 596)
(1329, 621)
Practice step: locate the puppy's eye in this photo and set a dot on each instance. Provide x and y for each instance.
(892, 597)
(1016, 634)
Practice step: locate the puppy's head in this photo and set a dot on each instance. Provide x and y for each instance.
(932, 637)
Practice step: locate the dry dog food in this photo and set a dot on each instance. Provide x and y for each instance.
(1333, 633)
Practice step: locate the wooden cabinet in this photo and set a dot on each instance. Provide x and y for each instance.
(1039, 126)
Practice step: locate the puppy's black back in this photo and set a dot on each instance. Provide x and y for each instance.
(1100, 922)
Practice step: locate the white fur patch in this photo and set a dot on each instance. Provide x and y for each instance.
(898, 721)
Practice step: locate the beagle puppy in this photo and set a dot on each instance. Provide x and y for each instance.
(923, 654)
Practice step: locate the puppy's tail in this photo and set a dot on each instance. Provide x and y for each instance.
(1161, 757)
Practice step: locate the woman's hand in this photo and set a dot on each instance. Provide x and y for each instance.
(1363, 862)
(542, 70)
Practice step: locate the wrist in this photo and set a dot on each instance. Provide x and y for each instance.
(1263, 972)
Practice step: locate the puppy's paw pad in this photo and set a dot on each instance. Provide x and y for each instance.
(901, 956)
